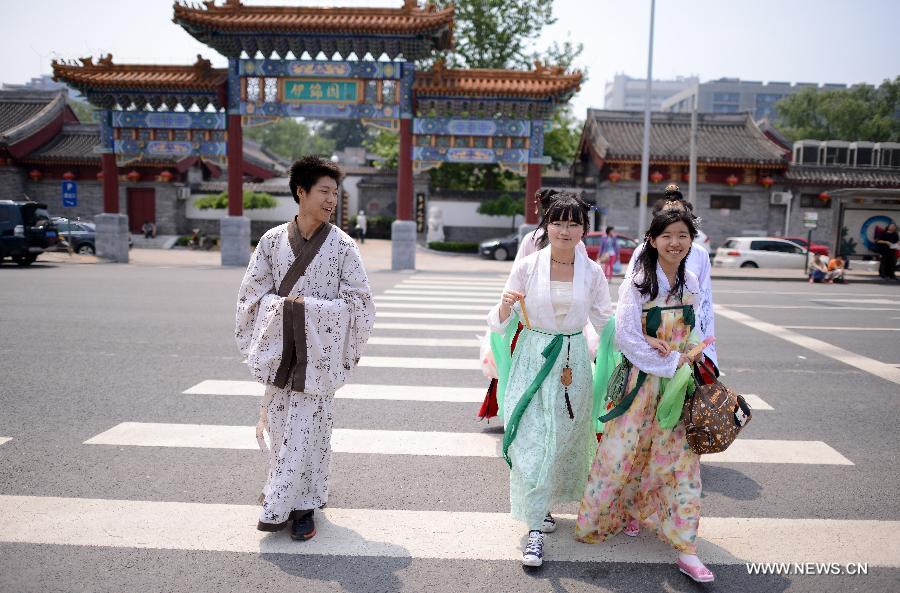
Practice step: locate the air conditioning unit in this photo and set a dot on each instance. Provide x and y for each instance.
(780, 198)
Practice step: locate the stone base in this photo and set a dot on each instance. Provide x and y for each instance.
(112, 237)
(403, 245)
(234, 238)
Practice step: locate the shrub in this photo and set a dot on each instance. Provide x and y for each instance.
(253, 200)
(454, 247)
(377, 227)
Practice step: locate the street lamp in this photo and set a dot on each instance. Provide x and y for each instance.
(645, 152)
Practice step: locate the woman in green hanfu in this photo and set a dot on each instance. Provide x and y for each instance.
(549, 407)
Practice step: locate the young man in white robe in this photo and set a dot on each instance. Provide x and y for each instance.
(304, 312)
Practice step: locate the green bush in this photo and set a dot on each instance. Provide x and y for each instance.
(253, 200)
(455, 247)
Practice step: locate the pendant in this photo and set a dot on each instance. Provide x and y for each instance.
(566, 377)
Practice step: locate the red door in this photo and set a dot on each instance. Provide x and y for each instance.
(141, 207)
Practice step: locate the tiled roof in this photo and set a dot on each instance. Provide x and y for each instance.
(105, 75)
(541, 83)
(23, 112)
(721, 138)
(233, 28)
(73, 145)
(843, 176)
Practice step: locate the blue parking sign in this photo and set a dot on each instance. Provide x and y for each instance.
(69, 194)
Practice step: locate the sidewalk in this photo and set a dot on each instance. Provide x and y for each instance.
(376, 254)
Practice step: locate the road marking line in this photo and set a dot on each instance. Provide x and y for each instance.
(444, 293)
(473, 306)
(808, 307)
(756, 402)
(402, 362)
(448, 316)
(460, 278)
(844, 328)
(444, 444)
(480, 329)
(423, 393)
(8, 439)
(447, 288)
(859, 301)
(138, 524)
(870, 365)
(472, 342)
(439, 299)
(800, 293)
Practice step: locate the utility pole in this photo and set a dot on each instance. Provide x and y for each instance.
(692, 171)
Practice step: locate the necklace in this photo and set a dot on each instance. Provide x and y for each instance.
(563, 263)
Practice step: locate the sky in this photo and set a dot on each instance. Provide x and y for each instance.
(833, 41)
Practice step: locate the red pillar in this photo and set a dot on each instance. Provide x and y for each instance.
(532, 185)
(404, 172)
(235, 150)
(110, 183)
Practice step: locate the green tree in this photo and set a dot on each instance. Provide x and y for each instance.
(858, 113)
(561, 142)
(505, 205)
(290, 139)
(345, 132)
(386, 145)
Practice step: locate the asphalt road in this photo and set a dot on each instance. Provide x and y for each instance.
(86, 348)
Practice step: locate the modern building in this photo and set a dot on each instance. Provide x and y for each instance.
(733, 95)
(625, 93)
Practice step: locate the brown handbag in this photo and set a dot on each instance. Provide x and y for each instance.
(713, 417)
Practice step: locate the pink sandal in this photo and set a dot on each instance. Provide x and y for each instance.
(699, 574)
(632, 528)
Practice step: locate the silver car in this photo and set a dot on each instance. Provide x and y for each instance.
(760, 252)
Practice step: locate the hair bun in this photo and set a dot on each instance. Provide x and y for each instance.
(673, 193)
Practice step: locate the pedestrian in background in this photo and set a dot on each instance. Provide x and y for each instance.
(641, 469)
(361, 227)
(886, 246)
(609, 252)
(549, 400)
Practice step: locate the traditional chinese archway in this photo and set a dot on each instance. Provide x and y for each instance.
(321, 63)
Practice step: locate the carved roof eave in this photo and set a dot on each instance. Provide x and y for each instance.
(232, 28)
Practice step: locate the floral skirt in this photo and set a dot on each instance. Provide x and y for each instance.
(641, 469)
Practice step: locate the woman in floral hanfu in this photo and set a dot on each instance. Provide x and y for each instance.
(641, 468)
(549, 405)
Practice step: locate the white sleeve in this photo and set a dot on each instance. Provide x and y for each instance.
(629, 272)
(705, 312)
(516, 281)
(630, 338)
(601, 306)
(258, 305)
(527, 245)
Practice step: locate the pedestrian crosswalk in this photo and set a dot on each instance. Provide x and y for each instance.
(437, 317)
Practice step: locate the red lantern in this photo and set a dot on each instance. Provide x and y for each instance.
(656, 177)
(68, 176)
(35, 175)
(133, 176)
(99, 175)
(767, 182)
(615, 176)
(732, 180)
(686, 176)
(824, 196)
(165, 176)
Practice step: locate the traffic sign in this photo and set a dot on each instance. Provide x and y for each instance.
(69, 194)
(810, 220)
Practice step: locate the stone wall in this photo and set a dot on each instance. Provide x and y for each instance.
(12, 183)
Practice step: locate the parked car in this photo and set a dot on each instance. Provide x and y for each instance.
(627, 246)
(760, 252)
(816, 248)
(82, 236)
(26, 231)
(500, 249)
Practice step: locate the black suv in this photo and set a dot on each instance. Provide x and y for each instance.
(25, 231)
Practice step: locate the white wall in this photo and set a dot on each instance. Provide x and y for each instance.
(464, 214)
